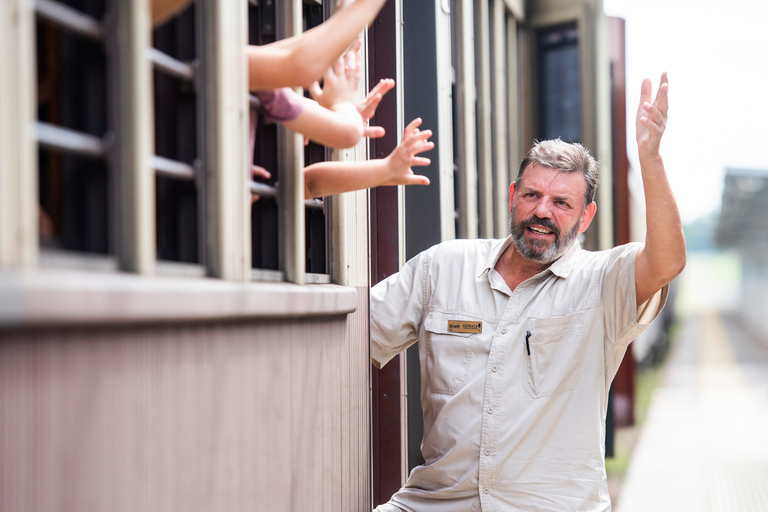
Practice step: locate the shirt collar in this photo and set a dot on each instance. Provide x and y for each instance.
(561, 267)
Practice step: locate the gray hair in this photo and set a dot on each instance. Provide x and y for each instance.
(563, 156)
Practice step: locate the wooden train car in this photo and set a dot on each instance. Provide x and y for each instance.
(167, 343)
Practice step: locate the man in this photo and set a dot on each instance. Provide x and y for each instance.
(521, 338)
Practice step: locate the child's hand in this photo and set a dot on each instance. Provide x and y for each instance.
(340, 83)
(400, 161)
(258, 171)
(368, 106)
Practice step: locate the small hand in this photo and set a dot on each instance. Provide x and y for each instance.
(404, 156)
(340, 82)
(368, 106)
(258, 171)
(652, 118)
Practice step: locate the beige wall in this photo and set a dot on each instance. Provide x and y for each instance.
(250, 415)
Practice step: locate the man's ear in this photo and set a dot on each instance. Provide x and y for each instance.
(586, 216)
(511, 195)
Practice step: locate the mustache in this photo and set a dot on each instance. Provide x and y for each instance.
(534, 220)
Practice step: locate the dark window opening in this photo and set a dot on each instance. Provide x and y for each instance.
(73, 208)
(559, 84)
(263, 23)
(177, 201)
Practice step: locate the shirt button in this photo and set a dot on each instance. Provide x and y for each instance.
(494, 368)
(504, 331)
(490, 410)
(487, 451)
(486, 490)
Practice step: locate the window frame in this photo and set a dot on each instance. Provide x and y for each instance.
(130, 276)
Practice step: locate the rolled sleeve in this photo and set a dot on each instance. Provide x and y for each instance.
(624, 319)
(397, 304)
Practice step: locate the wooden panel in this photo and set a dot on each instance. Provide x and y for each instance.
(237, 416)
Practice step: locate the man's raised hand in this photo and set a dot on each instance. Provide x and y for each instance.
(652, 118)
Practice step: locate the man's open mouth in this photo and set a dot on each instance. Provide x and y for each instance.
(538, 230)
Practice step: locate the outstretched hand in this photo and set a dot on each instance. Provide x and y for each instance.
(652, 117)
(340, 82)
(368, 106)
(404, 156)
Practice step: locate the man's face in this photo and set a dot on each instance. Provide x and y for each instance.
(548, 212)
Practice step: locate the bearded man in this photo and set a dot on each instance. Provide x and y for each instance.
(521, 337)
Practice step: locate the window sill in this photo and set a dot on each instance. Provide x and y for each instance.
(60, 297)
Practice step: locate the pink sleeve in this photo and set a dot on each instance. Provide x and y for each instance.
(280, 105)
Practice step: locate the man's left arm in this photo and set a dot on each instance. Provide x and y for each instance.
(662, 257)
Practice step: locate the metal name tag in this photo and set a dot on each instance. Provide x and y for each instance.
(461, 326)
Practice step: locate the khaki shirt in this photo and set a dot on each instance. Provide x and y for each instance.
(511, 424)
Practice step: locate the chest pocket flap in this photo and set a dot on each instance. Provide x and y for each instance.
(447, 343)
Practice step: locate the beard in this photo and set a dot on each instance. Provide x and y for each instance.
(540, 251)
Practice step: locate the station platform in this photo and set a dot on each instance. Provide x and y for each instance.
(704, 444)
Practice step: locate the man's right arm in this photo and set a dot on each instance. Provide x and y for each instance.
(397, 306)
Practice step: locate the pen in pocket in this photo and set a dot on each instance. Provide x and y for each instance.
(527, 345)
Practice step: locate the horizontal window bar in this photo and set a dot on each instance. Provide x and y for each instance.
(173, 169)
(267, 191)
(70, 19)
(315, 204)
(262, 189)
(69, 141)
(174, 67)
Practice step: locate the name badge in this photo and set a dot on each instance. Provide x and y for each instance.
(461, 326)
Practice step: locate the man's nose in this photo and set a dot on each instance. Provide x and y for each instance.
(543, 209)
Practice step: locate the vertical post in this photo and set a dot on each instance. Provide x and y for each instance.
(484, 141)
(133, 125)
(290, 194)
(18, 151)
(465, 118)
(502, 138)
(225, 149)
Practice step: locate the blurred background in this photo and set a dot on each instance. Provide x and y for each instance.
(700, 440)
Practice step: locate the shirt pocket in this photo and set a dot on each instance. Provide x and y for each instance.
(556, 352)
(448, 354)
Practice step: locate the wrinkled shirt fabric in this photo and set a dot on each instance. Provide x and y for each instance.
(505, 430)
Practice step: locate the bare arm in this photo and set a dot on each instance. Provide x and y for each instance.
(339, 128)
(662, 257)
(328, 178)
(163, 10)
(303, 59)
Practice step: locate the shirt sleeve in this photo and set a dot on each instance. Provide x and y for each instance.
(281, 105)
(624, 319)
(397, 306)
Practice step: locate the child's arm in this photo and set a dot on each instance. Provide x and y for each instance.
(333, 120)
(299, 61)
(163, 10)
(329, 178)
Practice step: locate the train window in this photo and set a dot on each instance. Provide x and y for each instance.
(83, 203)
(265, 149)
(72, 95)
(177, 198)
(559, 83)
